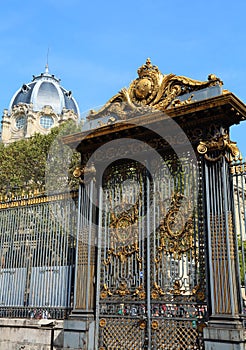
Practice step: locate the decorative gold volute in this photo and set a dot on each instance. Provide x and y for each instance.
(151, 89)
(85, 173)
(223, 145)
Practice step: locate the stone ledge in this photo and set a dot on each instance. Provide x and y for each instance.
(31, 323)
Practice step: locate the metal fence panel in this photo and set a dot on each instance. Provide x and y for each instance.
(37, 245)
(50, 286)
(12, 282)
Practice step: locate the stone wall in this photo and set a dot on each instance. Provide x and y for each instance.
(22, 334)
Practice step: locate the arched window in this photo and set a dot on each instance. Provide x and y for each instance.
(20, 122)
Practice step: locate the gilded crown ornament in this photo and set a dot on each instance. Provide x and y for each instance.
(145, 88)
(151, 90)
(146, 68)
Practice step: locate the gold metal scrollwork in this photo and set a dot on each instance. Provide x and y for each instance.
(85, 173)
(77, 172)
(154, 293)
(123, 226)
(155, 325)
(176, 228)
(123, 231)
(122, 290)
(176, 288)
(102, 322)
(176, 237)
(200, 295)
(222, 144)
(142, 324)
(140, 292)
(152, 89)
(106, 292)
(122, 253)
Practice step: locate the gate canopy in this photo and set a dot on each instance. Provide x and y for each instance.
(154, 97)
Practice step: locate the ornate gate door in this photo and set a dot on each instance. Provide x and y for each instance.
(151, 266)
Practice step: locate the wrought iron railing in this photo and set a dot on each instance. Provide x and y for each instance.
(35, 313)
(37, 253)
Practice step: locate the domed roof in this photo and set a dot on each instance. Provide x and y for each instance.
(45, 89)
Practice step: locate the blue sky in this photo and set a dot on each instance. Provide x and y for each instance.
(96, 47)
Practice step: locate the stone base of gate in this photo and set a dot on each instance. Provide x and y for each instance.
(79, 333)
(224, 335)
(31, 334)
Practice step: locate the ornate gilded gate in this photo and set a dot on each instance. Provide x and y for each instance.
(157, 262)
(152, 264)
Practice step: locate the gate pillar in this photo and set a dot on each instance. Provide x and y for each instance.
(225, 328)
(79, 329)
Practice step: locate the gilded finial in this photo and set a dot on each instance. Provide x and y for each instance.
(148, 62)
